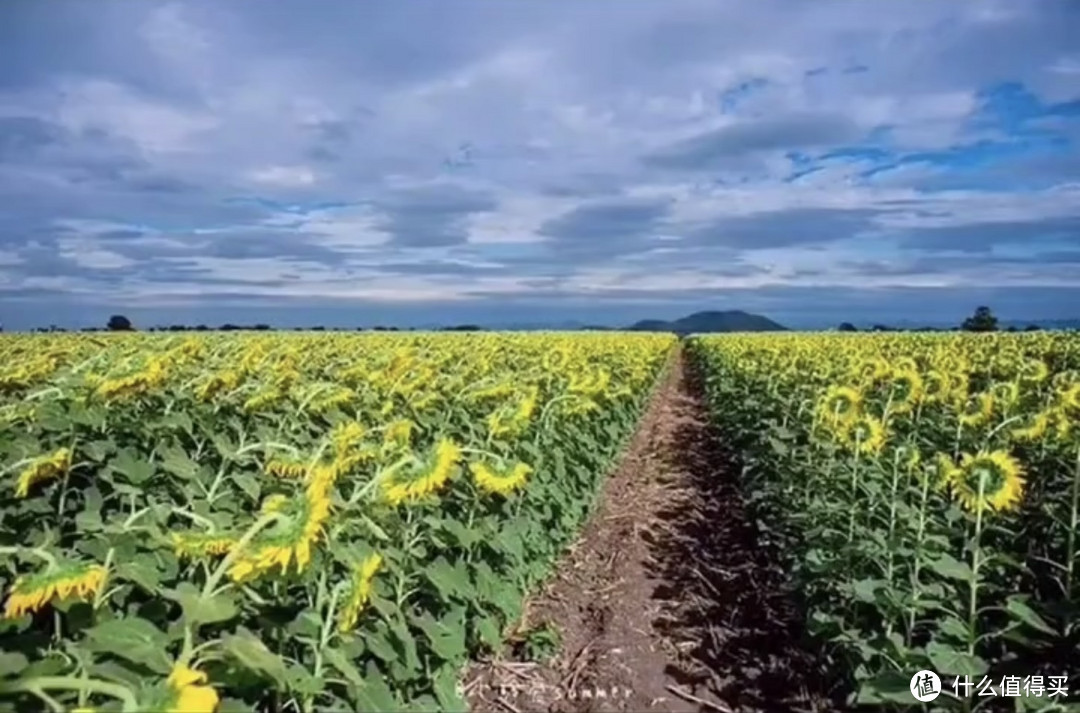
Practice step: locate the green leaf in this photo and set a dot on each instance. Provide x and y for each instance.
(446, 636)
(12, 663)
(378, 642)
(947, 660)
(948, 566)
(888, 686)
(954, 628)
(88, 521)
(248, 483)
(487, 629)
(141, 571)
(865, 590)
(345, 667)
(374, 694)
(176, 461)
(447, 690)
(449, 579)
(251, 652)
(1022, 611)
(132, 639)
(132, 467)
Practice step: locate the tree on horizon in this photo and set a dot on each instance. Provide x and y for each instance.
(982, 321)
(119, 323)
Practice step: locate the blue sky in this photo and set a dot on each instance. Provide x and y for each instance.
(351, 163)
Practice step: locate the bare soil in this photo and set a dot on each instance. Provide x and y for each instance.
(667, 602)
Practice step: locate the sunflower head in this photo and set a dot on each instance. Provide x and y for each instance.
(1033, 371)
(1069, 398)
(865, 435)
(935, 386)
(977, 410)
(190, 692)
(841, 404)
(988, 480)
(905, 389)
(1006, 393)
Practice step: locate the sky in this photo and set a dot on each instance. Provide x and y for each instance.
(431, 162)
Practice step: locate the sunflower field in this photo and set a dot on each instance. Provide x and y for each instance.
(290, 521)
(925, 490)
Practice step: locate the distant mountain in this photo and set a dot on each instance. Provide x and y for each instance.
(699, 322)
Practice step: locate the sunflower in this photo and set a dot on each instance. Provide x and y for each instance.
(935, 386)
(398, 434)
(360, 591)
(286, 467)
(1033, 371)
(840, 404)
(940, 470)
(988, 480)
(1007, 393)
(31, 593)
(978, 409)
(447, 454)
(865, 434)
(347, 436)
(905, 390)
(296, 534)
(190, 545)
(190, 694)
(1033, 427)
(873, 371)
(1069, 399)
(502, 484)
(41, 469)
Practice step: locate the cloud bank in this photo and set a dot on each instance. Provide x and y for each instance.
(378, 161)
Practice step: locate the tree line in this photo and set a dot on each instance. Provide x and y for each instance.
(983, 320)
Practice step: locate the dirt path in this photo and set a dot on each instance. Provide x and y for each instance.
(666, 603)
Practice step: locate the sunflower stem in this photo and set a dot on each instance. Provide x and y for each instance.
(70, 683)
(889, 540)
(973, 585)
(915, 587)
(1070, 549)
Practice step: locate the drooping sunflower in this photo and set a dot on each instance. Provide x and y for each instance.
(1006, 393)
(873, 371)
(935, 386)
(360, 591)
(1069, 399)
(1033, 371)
(840, 405)
(41, 469)
(905, 390)
(1033, 427)
(191, 545)
(501, 484)
(32, 592)
(447, 454)
(977, 410)
(991, 480)
(866, 435)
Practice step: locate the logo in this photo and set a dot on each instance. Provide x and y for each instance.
(925, 686)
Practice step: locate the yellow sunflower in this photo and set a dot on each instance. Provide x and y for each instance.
(935, 386)
(865, 434)
(190, 694)
(905, 390)
(988, 480)
(1034, 371)
(978, 410)
(840, 404)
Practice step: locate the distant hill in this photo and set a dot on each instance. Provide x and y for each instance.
(729, 321)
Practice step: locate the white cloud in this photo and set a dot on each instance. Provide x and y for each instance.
(286, 176)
